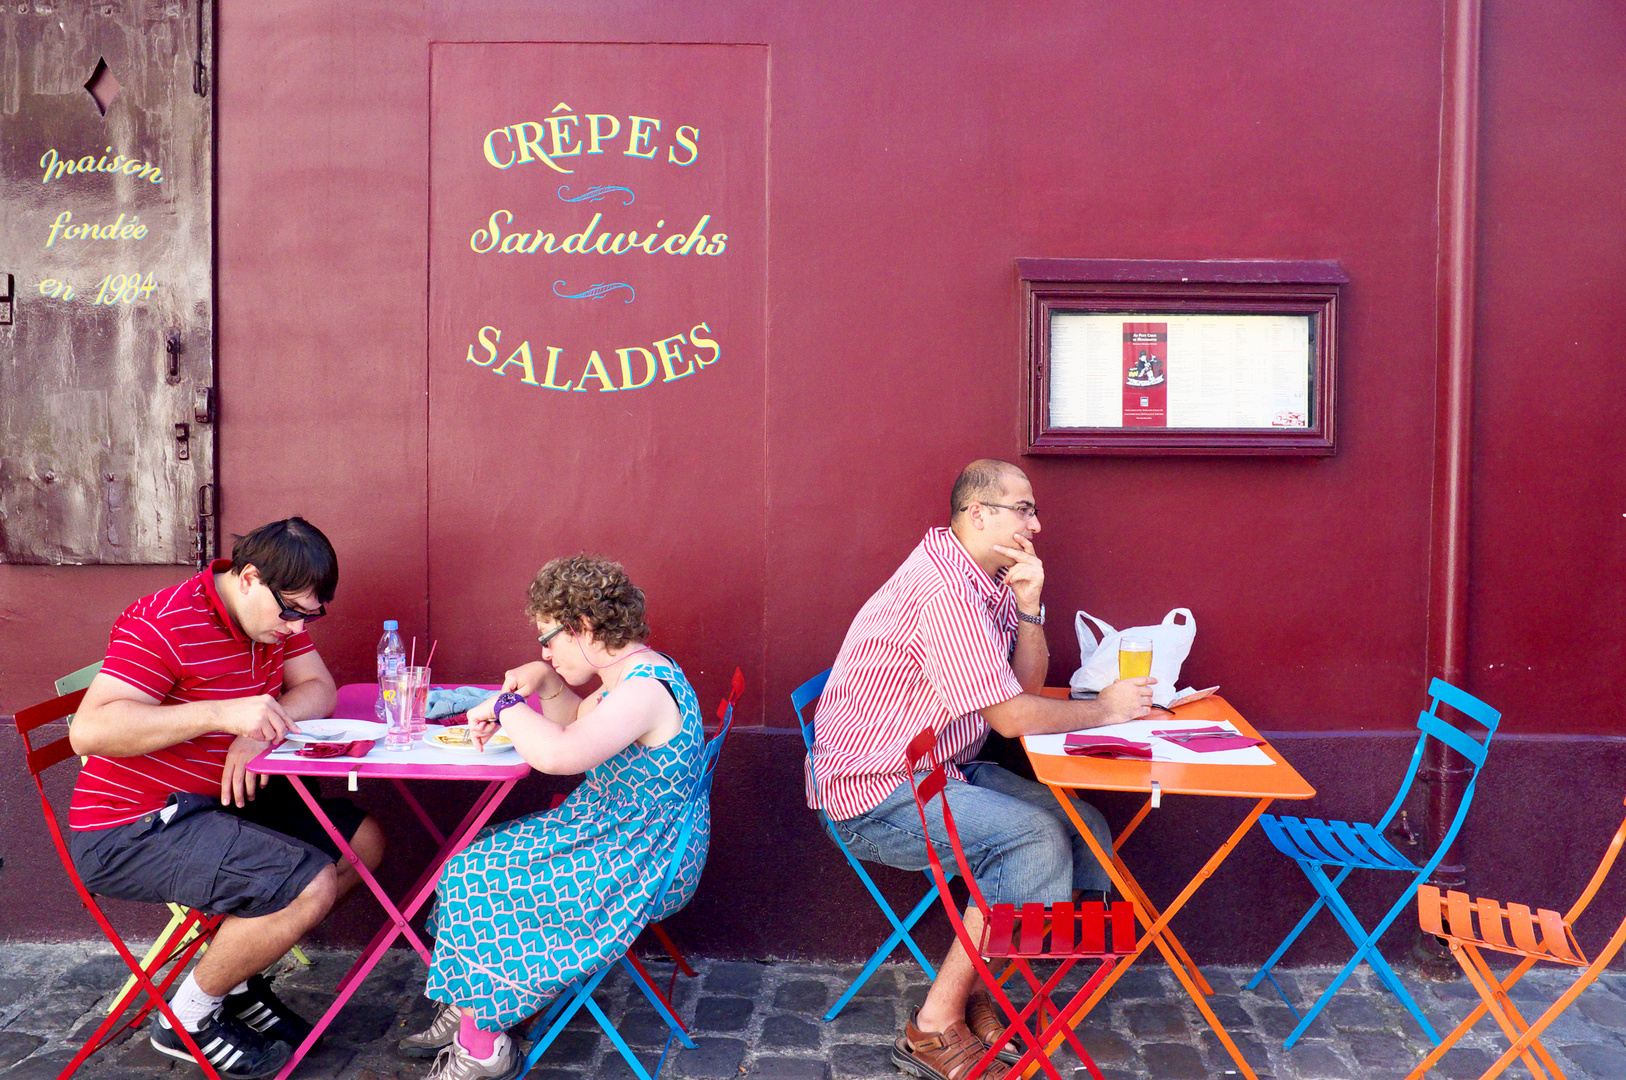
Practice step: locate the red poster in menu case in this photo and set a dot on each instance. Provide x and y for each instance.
(1146, 379)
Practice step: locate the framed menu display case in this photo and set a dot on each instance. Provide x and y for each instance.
(1166, 357)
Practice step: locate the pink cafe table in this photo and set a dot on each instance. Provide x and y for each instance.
(500, 773)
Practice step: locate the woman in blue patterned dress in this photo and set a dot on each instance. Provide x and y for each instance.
(533, 904)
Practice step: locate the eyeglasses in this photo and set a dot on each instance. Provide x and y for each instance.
(551, 634)
(289, 613)
(1026, 509)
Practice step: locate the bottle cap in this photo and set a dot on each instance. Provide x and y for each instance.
(391, 624)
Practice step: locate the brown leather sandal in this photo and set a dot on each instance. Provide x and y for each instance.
(943, 1055)
(982, 1017)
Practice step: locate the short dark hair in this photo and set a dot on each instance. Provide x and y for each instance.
(291, 555)
(980, 480)
(587, 592)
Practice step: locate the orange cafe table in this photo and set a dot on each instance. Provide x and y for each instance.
(1262, 783)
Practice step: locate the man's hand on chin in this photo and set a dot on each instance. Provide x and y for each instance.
(1126, 699)
(1026, 575)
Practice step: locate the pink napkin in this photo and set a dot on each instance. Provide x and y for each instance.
(1210, 739)
(359, 748)
(1082, 745)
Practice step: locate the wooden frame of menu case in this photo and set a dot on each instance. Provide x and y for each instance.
(1149, 288)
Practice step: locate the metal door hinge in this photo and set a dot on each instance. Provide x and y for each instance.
(174, 347)
(183, 441)
(5, 299)
(203, 404)
(203, 531)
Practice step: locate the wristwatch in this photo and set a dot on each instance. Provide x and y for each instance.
(502, 702)
(1036, 620)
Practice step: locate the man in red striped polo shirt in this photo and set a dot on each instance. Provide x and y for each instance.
(954, 640)
(199, 679)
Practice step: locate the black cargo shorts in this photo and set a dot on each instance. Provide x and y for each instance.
(221, 860)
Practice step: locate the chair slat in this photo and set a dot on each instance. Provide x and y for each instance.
(1380, 846)
(1337, 839)
(1523, 926)
(1092, 927)
(1490, 923)
(1464, 702)
(1555, 937)
(933, 784)
(52, 753)
(1372, 851)
(1031, 942)
(1061, 929)
(1460, 914)
(1001, 924)
(1428, 910)
(1123, 927)
(1457, 739)
(46, 711)
(1305, 842)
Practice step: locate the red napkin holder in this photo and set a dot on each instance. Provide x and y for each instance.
(1084, 745)
(359, 748)
(1210, 740)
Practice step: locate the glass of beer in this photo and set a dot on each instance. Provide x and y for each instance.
(1134, 657)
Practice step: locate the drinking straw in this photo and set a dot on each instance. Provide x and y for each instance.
(430, 659)
(414, 654)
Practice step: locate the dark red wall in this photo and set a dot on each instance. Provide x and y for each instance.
(912, 157)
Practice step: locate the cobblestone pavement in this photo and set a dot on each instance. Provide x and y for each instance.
(764, 1020)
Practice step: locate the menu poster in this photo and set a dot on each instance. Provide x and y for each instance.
(1146, 381)
(1209, 371)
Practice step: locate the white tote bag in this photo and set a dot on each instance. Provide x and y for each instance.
(1171, 644)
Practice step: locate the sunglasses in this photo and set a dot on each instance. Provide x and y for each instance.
(551, 634)
(289, 613)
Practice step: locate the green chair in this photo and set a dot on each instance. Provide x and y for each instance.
(68, 684)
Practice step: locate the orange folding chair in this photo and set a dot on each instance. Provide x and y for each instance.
(177, 946)
(1019, 936)
(1470, 926)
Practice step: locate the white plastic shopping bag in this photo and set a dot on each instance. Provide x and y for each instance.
(1171, 644)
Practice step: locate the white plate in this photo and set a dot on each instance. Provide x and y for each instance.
(497, 744)
(315, 731)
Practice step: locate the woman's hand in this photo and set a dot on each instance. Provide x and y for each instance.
(482, 713)
(481, 730)
(528, 679)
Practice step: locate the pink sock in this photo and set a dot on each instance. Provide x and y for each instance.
(482, 1044)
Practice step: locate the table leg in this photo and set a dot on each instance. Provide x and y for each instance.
(1157, 923)
(395, 916)
(472, 822)
(417, 808)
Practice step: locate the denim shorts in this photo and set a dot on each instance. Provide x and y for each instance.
(1019, 843)
(220, 860)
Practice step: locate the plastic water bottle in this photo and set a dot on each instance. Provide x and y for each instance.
(391, 659)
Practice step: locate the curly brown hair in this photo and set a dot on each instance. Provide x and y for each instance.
(592, 593)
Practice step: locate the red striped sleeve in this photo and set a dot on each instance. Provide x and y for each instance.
(931, 649)
(138, 654)
(178, 645)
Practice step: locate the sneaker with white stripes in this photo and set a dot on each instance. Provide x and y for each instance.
(438, 1035)
(236, 1052)
(261, 1011)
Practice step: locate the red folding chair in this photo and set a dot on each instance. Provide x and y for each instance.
(1018, 936)
(174, 950)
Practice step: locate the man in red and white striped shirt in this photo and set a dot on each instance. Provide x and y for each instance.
(199, 679)
(954, 641)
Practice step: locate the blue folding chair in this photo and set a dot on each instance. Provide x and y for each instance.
(800, 698)
(1315, 844)
(580, 993)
